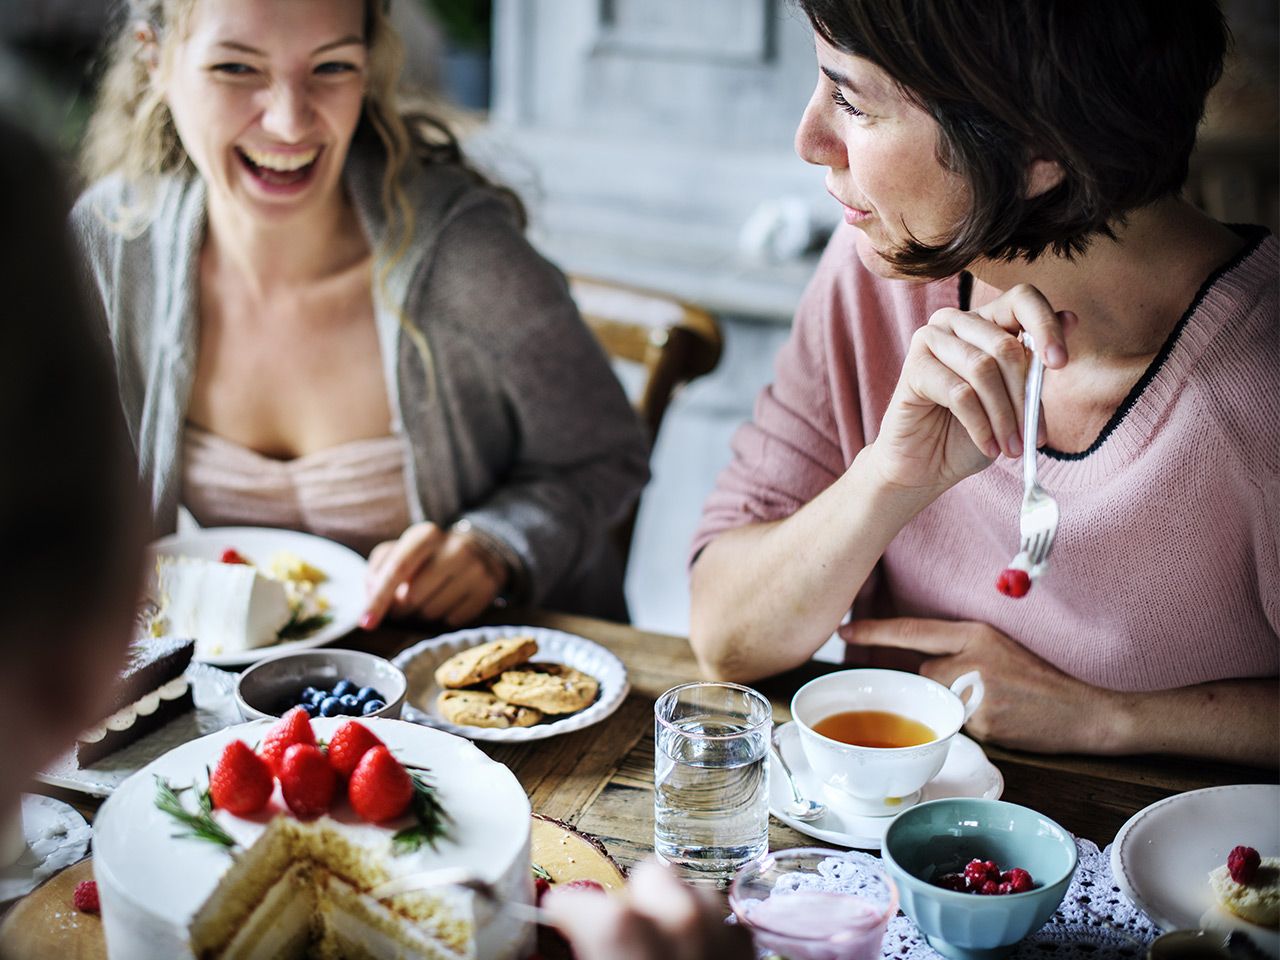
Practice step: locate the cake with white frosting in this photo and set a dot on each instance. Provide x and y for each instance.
(150, 691)
(300, 888)
(227, 607)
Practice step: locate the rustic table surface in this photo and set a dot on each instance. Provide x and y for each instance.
(600, 780)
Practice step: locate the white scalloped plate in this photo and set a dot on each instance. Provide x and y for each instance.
(419, 664)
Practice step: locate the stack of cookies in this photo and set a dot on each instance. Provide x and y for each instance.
(495, 685)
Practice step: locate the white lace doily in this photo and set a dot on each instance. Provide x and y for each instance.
(1095, 921)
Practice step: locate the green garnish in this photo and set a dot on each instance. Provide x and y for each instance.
(200, 826)
(540, 872)
(300, 627)
(431, 816)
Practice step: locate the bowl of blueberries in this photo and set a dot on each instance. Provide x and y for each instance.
(326, 683)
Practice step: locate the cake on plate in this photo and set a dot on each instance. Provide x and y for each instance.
(1248, 885)
(150, 692)
(292, 887)
(227, 607)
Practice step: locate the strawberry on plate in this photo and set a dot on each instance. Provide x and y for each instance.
(293, 727)
(307, 780)
(349, 743)
(241, 783)
(380, 788)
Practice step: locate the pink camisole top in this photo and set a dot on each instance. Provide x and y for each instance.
(355, 493)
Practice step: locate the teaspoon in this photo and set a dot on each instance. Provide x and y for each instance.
(799, 807)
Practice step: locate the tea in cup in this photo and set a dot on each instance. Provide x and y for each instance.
(876, 737)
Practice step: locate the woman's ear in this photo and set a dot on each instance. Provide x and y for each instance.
(148, 50)
(1042, 176)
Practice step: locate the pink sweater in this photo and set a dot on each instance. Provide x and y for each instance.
(1165, 569)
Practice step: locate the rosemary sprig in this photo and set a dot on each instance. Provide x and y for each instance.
(199, 826)
(432, 818)
(540, 872)
(299, 627)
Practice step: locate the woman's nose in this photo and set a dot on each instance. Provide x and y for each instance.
(288, 114)
(817, 141)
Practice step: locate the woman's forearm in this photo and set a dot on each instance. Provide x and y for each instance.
(1231, 720)
(766, 596)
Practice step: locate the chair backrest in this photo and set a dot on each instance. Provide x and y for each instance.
(667, 341)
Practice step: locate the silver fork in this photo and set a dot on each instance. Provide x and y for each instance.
(466, 880)
(1038, 521)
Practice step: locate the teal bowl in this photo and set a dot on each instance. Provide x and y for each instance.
(931, 839)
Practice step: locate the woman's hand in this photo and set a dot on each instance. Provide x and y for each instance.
(958, 402)
(432, 573)
(659, 918)
(1029, 704)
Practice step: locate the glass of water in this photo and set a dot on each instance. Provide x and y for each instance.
(711, 778)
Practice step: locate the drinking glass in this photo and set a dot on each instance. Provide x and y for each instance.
(815, 904)
(711, 779)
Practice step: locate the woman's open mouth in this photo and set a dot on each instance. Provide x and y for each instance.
(279, 170)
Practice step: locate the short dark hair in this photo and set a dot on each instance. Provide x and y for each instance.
(1113, 90)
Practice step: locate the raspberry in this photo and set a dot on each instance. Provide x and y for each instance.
(1013, 583)
(540, 888)
(85, 897)
(989, 888)
(975, 873)
(589, 885)
(232, 555)
(1004, 887)
(1242, 864)
(1019, 880)
(953, 881)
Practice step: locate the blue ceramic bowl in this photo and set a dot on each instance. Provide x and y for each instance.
(931, 839)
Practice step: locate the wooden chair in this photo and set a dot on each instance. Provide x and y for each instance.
(657, 342)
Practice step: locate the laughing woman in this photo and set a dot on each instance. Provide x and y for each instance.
(324, 319)
(1004, 169)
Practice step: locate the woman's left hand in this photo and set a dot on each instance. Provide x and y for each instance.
(433, 573)
(1029, 704)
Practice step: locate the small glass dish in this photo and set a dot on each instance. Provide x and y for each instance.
(813, 903)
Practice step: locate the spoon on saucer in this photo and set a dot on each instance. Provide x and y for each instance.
(799, 807)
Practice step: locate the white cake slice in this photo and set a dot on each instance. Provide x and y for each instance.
(227, 607)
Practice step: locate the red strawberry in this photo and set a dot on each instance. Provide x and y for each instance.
(241, 782)
(589, 885)
(1013, 583)
(306, 780)
(85, 897)
(380, 788)
(349, 744)
(293, 727)
(1242, 864)
(232, 555)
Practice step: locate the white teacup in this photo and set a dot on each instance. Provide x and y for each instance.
(13, 840)
(881, 781)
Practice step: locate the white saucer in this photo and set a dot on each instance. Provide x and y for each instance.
(967, 773)
(57, 836)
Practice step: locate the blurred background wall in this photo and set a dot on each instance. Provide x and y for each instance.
(651, 140)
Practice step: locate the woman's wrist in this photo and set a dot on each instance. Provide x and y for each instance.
(492, 552)
(885, 497)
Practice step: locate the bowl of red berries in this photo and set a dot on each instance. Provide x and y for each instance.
(325, 683)
(977, 875)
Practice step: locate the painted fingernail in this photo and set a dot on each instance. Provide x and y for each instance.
(1014, 445)
(368, 621)
(1055, 356)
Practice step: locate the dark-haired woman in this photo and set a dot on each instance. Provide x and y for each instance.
(1007, 169)
(324, 320)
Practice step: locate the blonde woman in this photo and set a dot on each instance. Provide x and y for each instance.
(324, 319)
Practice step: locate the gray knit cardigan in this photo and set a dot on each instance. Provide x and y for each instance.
(520, 426)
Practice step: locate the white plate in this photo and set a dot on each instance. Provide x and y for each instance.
(57, 837)
(419, 664)
(343, 566)
(1162, 856)
(214, 692)
(967, 773)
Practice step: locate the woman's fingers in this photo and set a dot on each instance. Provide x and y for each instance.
(990, 361)
(414, 548)
(1023, 307)
(931, 379)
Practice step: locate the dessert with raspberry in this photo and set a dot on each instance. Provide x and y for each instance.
(1248, 885)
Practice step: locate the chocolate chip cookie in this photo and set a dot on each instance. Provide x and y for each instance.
(549, 687)
(484, 662)
(479, 708)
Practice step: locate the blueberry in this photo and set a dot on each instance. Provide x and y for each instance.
(366, 694)
(330, 707)
(343, 687)
(311, 709)
(372, 706)
(319, 697)
(308, 694)
(350, 705)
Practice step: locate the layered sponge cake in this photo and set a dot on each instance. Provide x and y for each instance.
(293, 888)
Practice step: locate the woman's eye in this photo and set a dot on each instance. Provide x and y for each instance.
(838, 96)
(233, 69)
(334, 67)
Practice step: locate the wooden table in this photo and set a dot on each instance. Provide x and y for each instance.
(600, 779)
